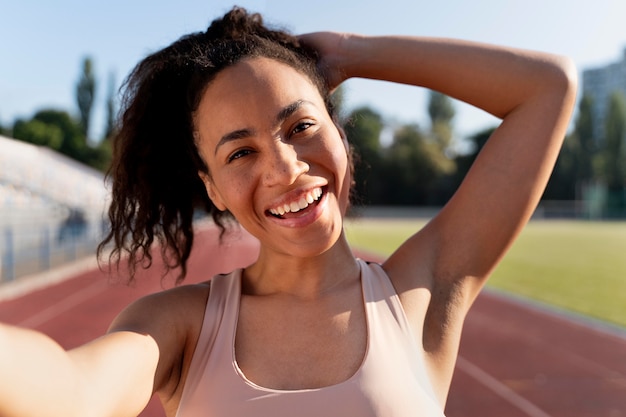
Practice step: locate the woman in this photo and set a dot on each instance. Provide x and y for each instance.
(242, 114)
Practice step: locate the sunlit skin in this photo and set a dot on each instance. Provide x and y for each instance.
(303, 293)
(284, 148)
(279, 164)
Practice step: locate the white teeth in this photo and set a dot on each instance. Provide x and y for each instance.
(301, 204)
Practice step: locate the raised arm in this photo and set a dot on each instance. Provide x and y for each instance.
(445, 264)
(532, 92)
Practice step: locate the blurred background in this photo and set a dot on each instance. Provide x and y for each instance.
(63, 64)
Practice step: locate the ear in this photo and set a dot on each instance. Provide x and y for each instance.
(212, 191)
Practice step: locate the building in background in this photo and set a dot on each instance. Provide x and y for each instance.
(51, 208)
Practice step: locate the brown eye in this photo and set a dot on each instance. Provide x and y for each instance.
(301, 127)
(239, 154)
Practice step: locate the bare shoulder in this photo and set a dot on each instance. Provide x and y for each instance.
(164, 307)
(173, 318)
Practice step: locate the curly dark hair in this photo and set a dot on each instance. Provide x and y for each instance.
(156, 188)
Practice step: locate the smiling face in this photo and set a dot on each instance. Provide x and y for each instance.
(276, 159)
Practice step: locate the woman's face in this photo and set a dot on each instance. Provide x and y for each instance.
(276, 159)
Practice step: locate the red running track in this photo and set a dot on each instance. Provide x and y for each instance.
(515, 360)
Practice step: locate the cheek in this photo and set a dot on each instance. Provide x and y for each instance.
(345, 190)
(344, 179)
(236, 190)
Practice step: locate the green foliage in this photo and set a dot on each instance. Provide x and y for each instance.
(3, 130)
(414, 169)
(99, 157)
(441, 112)
(418, 165)
(363, 129)
(613, 168)
(440, 108)
(85, 94)
(74, 142)
(582, 141)
(109, 129)
(587, 162)
(38, 133)
(57, 130)
(574, 166)
(565, 181)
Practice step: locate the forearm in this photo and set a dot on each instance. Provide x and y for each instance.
(37, 376)
(495, 79)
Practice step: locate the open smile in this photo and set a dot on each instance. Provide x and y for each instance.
(310, 198)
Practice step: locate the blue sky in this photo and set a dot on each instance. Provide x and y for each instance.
(42, 43)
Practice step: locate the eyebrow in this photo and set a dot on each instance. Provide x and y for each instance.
(282, 115)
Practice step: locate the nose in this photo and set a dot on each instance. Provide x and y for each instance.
(283, 165)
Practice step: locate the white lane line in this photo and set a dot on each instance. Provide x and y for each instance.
(500, 389)
(64, 305)
(27, 284)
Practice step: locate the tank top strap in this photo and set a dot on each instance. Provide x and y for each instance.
(377, 288)
(219, 322)
(384, 309)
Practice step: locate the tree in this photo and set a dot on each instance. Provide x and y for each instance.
(416, 167)
(73, 143)
(3, 129)
(109, 128)
(564, 183)
(85, 94)
(574, 170)
(38, 133)
(363, 128)
(441, 112)
(610, 159)
(582, 143)
(613, 154)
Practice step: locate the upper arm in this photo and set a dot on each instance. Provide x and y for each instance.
(454, 254)
(142, 352)
(473, 231)
(500, 192)
(118, 370)
(172, 320)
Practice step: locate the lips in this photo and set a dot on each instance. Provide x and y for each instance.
(295, 206)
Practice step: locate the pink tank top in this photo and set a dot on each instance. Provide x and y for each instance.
(391, 381)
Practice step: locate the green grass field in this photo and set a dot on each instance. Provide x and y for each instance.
(579, 266)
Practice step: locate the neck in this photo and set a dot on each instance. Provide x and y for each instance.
(303, 277)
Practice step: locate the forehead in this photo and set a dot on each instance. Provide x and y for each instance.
(253, 87)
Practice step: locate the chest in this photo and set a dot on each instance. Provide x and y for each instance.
(290, 345)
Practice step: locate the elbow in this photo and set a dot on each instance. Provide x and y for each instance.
(565, 79)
